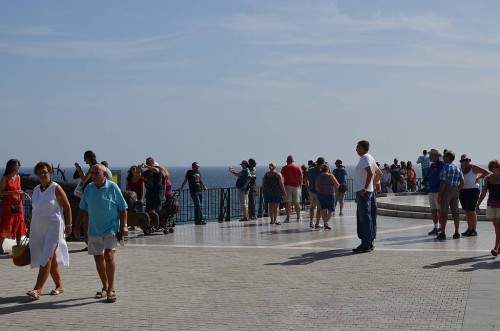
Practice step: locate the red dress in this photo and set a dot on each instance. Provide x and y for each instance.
(12, 224)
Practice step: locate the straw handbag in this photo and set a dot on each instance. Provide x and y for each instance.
(21, 253)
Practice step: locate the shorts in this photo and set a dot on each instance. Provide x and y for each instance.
(272, 198)
(313, 199)
(449, 199)
(97, 245)
(492, 213)
(434, 201)
(153, 200)
(292, 194)
(243, 196)
(327, 201)
(469, 198)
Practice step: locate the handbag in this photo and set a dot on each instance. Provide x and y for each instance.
(14, 209)
(79, 189)
(21, 253)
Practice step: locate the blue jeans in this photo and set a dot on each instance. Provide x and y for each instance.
(198, 205)
(364, 219)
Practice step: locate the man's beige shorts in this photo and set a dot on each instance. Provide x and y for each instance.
(292, 194)
(434, 201)
(97, 245)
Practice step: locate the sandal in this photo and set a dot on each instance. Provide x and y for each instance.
(111, 295)
(57, 291)
(100, 294)
(34, 294)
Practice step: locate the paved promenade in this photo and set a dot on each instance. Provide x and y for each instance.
(256, 276)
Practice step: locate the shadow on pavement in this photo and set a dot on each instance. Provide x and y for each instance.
(309, 258)
(27, 303)
(289, 231)
(495, 265)
(465, 260)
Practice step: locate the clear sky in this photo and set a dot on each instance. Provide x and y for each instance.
(223, 80)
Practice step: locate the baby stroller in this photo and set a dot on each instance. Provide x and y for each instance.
(169, 208)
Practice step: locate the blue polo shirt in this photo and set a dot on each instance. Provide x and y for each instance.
(104, 206)
(434, 177)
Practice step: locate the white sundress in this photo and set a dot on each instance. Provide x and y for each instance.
(47, 228)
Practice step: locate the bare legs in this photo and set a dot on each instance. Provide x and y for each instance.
(327, 216)
(496, 225)
(471, 219)
(273, 211)
(1, 244)
(105, 265)
(288, 207)
(52, 269)
(435, 216)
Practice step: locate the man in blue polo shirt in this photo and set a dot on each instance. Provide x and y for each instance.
(433, 180)
(107, 210)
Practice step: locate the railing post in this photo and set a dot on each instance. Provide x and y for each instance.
(228, 205)
(261, 203)
(224, 205)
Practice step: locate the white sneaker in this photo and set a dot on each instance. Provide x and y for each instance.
(299, 219)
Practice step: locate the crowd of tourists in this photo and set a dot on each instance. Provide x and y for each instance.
(103, 210)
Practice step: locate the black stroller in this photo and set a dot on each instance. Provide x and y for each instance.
(169, 209)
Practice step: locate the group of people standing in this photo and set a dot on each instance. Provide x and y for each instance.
(399, 177)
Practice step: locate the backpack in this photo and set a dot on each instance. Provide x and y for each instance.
(249, 182)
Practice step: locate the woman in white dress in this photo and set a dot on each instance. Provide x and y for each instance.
(48, 247)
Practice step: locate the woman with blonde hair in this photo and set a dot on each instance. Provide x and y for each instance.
(273, 190)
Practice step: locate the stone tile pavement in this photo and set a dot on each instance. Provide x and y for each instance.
(255, 276)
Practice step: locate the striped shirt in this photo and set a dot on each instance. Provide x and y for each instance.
(452, 174)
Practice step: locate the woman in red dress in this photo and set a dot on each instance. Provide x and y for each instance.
(12, 220)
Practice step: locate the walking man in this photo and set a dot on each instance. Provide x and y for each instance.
(193, 176)
(292, 175)
(452, 180)
(363, 186)
(107, 212)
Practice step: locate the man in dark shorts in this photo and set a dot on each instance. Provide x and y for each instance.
(196, 185)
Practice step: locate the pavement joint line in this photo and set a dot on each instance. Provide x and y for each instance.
(320, 248)
(349, 237)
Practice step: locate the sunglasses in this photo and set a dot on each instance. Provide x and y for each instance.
(42, 173)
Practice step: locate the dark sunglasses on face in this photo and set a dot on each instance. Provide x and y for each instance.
(41, 173)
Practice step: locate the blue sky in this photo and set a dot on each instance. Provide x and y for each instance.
(221, 81)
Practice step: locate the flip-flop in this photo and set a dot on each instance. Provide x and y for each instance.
(111, 295)
(34, 294)
(101, 293)
(56, 291)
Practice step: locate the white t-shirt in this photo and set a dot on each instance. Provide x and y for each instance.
(360, 173)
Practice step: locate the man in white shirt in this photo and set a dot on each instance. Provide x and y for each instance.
(363, 186)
